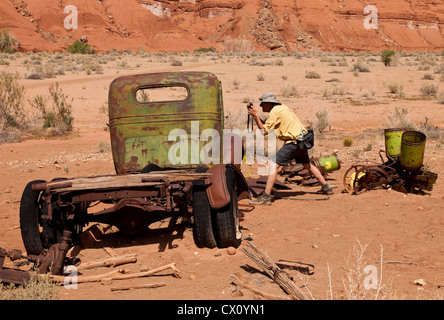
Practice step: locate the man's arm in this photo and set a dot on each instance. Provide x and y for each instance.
(253, 112)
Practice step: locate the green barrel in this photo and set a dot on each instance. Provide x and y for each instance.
(393, 142)
(411, 156)
(330, 163)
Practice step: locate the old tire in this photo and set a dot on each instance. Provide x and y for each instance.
(203, 224)
(38, 234)
(30, 212)
(227, 223)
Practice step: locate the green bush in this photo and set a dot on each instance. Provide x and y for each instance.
(347, 142)
(59, 115)
(386, 56)
(80, 47)
(210, 49)
(7, 42)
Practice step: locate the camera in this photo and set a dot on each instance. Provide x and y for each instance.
(249, 105)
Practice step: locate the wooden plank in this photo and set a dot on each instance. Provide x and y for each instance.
(123, 181)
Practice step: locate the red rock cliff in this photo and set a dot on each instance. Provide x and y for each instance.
(178, 25)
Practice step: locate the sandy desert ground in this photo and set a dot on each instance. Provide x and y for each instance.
(401, 235)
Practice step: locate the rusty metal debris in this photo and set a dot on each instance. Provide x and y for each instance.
(51, 261)
(403, 170)
(361, 177)
(325, 165)
(302, 267)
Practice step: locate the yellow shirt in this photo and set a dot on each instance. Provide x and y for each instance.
(285, 123)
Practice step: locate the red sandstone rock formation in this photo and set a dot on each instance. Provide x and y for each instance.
(179, 25)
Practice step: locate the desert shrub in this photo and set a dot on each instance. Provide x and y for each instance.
(90, 66)
(394, 87)
(204, 50)
(260, 77)
(429, 90)
(176, 63)
(428, 76)
(439, 68)
(399, 119)
(3, 62)
(312, 75)
(278, 62)
(347, 142)
(58, 116)
(290, 90)
(360, 66)
(7, 42)
(35, 76)
(11, 98)
(80, 47)
(387, 56)
(322, 121)
(440, 97)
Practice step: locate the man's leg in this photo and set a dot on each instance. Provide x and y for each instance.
(326, 189)
(265, 197)
(272, 177)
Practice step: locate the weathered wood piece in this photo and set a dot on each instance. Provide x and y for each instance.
(123, 180)
(108, 262)
(139, 286)
(119, 274)
(281, 277)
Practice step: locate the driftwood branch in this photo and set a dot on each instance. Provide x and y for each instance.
(139, 286)
(108, 262)
(273, 271)
(83, 279)
(119, 274)
(171, 266)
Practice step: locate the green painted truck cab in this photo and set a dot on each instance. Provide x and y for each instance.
(141, 129)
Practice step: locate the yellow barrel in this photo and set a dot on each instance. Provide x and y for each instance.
(411, 155)
(330, 163)
(393, 142)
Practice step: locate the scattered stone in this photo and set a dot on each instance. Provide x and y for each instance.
(420, 282)
(231, 250)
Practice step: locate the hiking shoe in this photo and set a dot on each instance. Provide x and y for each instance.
(262, 199)
(326, 189)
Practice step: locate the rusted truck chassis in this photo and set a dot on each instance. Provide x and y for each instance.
(147, 186)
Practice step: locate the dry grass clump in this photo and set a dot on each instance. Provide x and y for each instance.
(12, 114)
(428, 90)
(321, 122)
(260, 77)
(332, 91)
(360, 66)
(290, 90)
(395, 87)
(312, 75)
(37, 288)
(399, 118)
(440, 97)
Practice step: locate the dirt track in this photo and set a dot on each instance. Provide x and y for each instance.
(405, 230)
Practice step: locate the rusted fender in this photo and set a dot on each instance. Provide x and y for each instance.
(217, 190)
